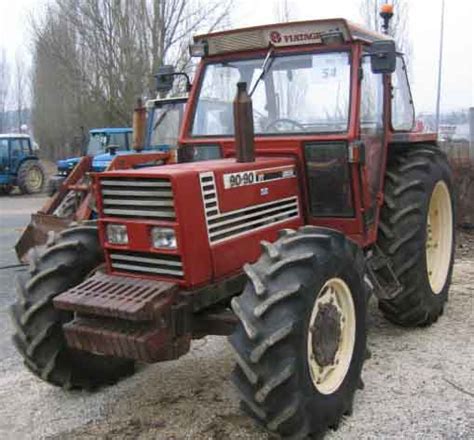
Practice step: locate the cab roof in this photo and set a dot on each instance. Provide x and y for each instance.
(111, 130)
(286, 34)
(14, 136)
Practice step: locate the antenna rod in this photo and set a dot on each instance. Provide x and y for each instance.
(440, 67)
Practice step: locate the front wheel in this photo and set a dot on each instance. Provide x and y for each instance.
(74, 255)
(300, 343)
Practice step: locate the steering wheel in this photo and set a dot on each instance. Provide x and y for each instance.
(285, 121)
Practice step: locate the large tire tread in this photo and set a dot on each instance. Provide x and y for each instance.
(64, 263)
(402, 232)
(268, 374)
(22, 177)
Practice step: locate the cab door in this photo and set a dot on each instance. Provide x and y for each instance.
(372, 139)
(4, 156)
(16, 153)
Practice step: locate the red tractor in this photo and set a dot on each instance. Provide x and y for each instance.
(305, 194)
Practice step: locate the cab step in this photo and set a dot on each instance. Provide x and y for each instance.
(382, 276)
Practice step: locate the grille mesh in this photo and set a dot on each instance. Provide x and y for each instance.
(147, 263)
(143, 198)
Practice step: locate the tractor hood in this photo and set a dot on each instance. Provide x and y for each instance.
(67, 164)
(207, 208)
(102, 161)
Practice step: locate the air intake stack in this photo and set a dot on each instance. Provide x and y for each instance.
(243, 124)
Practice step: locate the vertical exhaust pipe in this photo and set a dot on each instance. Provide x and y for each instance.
(243, 125)
(139, 126)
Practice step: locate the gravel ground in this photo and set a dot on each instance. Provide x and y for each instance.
(418, 383)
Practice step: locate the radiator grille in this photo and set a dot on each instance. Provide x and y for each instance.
(221, 226)
(147, 263)
(143, 198)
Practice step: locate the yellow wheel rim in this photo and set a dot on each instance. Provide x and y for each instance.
(439, 237)
(331, 336)
(35, 179)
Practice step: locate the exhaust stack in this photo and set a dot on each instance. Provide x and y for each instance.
(243, 124)
(139, 125)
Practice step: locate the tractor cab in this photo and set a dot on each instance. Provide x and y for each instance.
(19, 165)
(326, 93)
(103, 139)
(103, 144)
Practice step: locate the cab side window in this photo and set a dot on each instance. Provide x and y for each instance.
(16, 147)
(3, 149)
(371, 106)
(403, 113)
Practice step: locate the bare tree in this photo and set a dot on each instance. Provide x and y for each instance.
(21, 86)
(282, 10)
(4, 87)
(102, 54)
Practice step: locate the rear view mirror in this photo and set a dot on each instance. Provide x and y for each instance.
(164, 78)
(383, 56)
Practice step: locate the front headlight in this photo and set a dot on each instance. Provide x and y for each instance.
(117, 234)
(163, 238)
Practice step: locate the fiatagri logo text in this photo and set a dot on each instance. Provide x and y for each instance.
(276, 37)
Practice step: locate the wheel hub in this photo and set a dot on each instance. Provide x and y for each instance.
(35, 179)
(331, 336)
(326, 334)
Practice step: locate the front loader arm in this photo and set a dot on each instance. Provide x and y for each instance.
(78, 172)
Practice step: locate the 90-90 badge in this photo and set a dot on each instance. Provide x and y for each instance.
(245, 178)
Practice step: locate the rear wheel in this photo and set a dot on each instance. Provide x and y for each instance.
(417, 233)
(39, 338)
(300, 343)
(31, 177)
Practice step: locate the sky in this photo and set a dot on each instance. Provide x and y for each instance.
(458, 55)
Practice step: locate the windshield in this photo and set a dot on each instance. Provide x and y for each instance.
(166, 124)
(305, 93)
(98, 142)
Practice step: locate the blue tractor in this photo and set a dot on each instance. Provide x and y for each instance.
(103, 145)
(19, 165)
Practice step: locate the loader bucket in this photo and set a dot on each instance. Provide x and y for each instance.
(36, 233)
